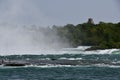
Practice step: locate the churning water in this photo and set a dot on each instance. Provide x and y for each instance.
(105, 65)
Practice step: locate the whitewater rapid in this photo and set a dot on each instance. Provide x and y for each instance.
(66, 57)
(78, 50)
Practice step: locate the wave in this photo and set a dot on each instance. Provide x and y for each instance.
(63, 61)
(59, 66)
(78, 50)
(64, 58)
(81, 50)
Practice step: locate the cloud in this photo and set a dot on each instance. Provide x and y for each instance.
(22, 12)
(118, 4)
(58, 12)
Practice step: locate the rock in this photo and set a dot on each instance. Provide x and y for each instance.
(94, 48)
(14, 64)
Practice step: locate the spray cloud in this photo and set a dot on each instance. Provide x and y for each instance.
(28, 39)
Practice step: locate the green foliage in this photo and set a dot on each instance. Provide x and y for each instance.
(102, 35)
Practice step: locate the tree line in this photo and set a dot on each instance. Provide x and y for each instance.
(100, 36)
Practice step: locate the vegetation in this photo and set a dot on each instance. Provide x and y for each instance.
(101, 36)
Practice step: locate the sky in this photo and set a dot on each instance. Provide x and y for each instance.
(58, 12)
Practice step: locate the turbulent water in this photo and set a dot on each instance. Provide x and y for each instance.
(105, 67)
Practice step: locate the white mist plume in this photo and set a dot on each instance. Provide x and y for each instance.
(28, 39)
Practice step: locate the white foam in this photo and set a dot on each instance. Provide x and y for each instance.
(106, 65)
(83, 47)
(79, 50)
(106, 51)
(63, 58)
(52, 66)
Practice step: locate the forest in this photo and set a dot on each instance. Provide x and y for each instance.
(100, 36)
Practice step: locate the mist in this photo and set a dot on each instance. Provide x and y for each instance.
(28, 39)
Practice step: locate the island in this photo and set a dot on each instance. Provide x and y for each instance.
(100, 36)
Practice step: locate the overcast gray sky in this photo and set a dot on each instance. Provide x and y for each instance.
(58, 12)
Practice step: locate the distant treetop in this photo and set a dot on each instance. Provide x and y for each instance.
(90, 20)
